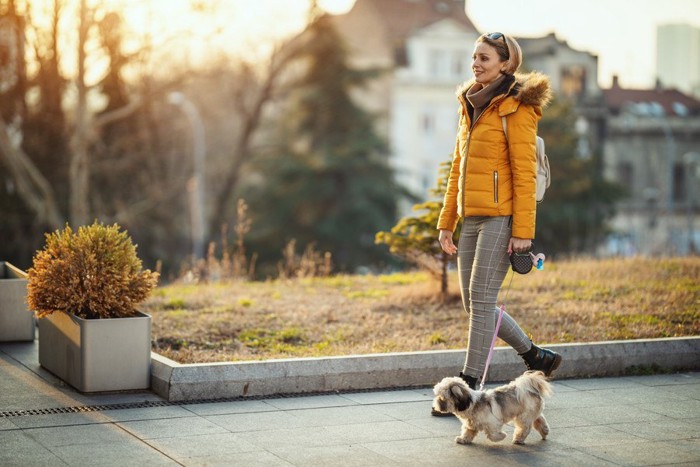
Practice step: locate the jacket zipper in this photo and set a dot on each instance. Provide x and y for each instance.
(466, 152)
(495, 186)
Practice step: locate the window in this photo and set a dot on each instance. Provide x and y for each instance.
(679, 185)
(573, 81)
(458, 68)
(428, 123)
(437, 63)
(625, 174)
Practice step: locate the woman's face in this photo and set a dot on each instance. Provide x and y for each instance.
(486, 64)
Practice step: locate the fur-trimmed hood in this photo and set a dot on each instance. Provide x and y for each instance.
(529, 88)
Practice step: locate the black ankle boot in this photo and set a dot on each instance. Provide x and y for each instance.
(543, 360)
(471, 382)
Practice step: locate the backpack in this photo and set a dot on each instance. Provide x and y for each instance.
(543, 173)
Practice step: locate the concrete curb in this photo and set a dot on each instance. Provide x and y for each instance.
(178, 382)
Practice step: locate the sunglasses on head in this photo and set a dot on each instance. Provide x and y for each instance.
(494, 36)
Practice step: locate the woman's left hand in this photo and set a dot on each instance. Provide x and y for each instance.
(519, 245)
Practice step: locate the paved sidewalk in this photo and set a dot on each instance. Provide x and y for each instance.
(640, 420)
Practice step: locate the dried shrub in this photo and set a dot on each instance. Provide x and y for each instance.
(94, 273)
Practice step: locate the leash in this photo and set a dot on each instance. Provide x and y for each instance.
(495, 332)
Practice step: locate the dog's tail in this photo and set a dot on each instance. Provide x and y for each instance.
(534, 382)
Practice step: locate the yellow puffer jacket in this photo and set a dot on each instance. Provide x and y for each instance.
(493, 175)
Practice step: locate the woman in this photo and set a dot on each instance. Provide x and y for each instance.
(491, 187)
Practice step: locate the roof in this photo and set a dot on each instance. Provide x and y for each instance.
(403, 17)
(651, 101)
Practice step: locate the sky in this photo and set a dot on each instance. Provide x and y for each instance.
(621, 32)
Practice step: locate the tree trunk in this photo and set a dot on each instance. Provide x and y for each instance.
(32, 186)
(444, 259)
(79, 163)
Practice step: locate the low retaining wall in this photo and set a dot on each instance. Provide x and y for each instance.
(177, 382)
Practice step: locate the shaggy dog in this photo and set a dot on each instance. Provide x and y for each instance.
(521, 401)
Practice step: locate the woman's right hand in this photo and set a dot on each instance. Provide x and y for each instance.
(446, 242)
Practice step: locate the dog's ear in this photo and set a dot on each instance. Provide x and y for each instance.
(461, 396)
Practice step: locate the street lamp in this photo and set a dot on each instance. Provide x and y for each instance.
(195, 185)
(583, 149)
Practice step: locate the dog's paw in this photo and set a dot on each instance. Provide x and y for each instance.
(460, 440)
(496, 437)
(518, 441)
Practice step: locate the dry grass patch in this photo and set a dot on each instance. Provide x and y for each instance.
(571, 301)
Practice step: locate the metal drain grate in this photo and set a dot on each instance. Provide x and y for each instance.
(151, 404)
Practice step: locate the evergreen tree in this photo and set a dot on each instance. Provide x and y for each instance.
(327, 182)
(416, 238)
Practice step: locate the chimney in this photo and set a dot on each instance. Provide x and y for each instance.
(616, 82)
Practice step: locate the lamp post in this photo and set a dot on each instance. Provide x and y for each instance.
(583, 149)
(195, 185)
(692, 171)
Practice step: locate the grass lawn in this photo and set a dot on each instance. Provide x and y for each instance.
(570, 301)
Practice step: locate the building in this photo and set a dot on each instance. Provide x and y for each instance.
(648, 140)
(652, 147)
(678, 57)
(425, 46)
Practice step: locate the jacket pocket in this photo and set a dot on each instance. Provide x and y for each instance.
(495, 186)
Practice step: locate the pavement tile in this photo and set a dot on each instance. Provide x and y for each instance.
(171, 427)
(6, 424)
(223, 408)
(78, 435)
(133, 453)
(668, 379)
(431, 451)
(382, 431)
(636, 393)
(554, 458)
(383, 397)
(405, 410)
(62, 419)
(567, 418)
(647, 453)
(599, 383)
(146, 413)
(259, 421)
(619, 414)
(441, 426)
(248, 459)
(18, 449)
(331, 416)
(298, 438)
(663, 429)
(578, 399)
(591, 436)
(688, 409)
(347, 456)
(217, 444)
(316, 402)
(685, 391)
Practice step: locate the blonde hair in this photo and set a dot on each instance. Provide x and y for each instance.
(507, 48)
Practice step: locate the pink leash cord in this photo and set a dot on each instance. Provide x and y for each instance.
(493, 343)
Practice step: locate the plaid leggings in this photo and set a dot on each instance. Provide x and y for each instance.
(482, 260)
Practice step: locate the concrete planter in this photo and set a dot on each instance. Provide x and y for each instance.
(16, 321)
(95, 355)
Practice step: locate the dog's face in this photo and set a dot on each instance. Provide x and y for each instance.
(452, 395)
